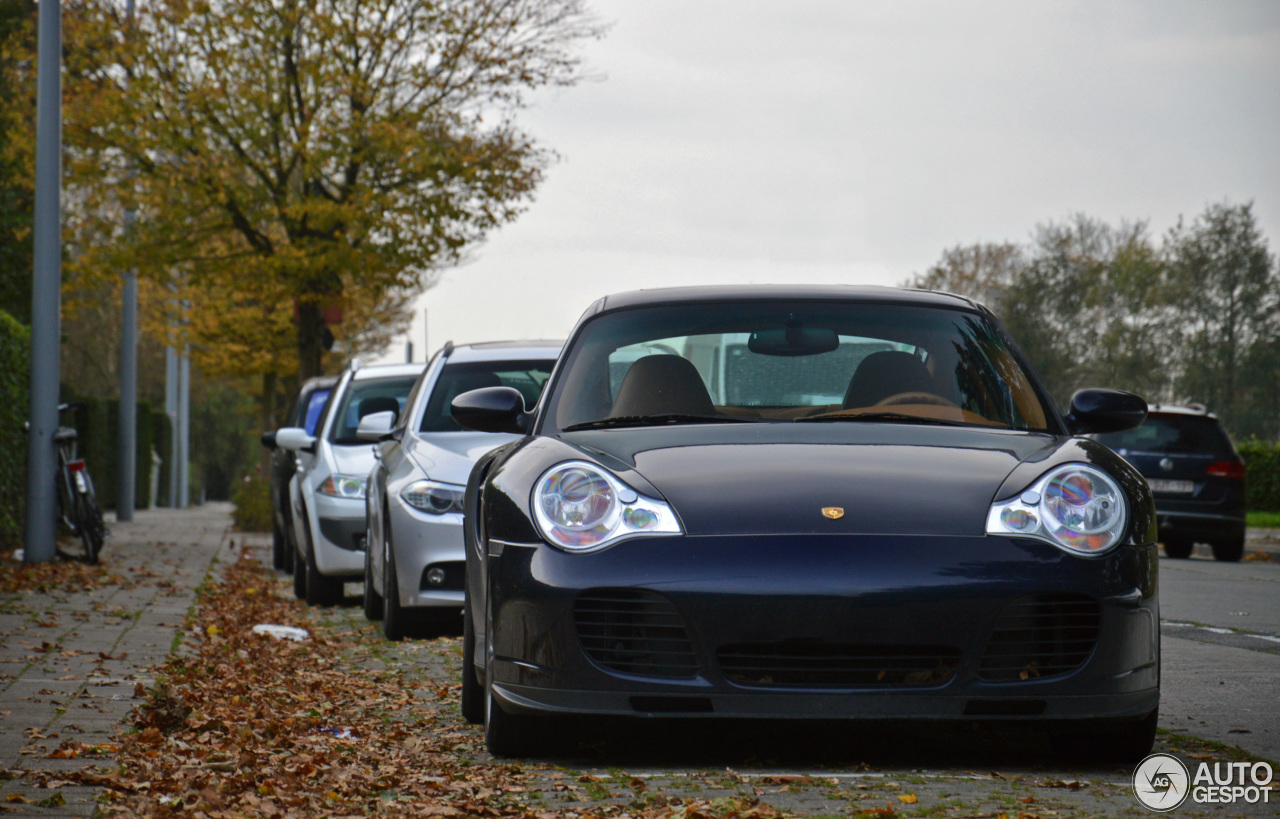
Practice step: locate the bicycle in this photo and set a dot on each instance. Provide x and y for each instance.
(78, 511)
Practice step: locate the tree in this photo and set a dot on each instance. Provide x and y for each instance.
(982, 272)
(283, 155)
(1227, 297)
(17, 146)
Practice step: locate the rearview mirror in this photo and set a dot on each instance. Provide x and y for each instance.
(492, 409)
(295, 438)
(375, 425)
(793, 340)
(1100, 410)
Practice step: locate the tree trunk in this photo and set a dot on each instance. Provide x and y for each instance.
(310, 340)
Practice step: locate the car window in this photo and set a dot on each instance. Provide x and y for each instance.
(315, 403)
(1172, 433)
(528, 377)
(364, 397)
(786, 362)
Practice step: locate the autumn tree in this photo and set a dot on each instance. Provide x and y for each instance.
(284, 155)
(1227, 294)
(17, 193)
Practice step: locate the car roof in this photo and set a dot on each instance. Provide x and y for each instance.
(506, 351)
(386, 370)
(778, 292)
(318, 382)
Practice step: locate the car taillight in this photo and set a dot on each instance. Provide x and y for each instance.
(1226, 469)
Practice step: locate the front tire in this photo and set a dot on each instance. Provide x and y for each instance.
(473, 691)
(278, 546)
(395, 620)
(321, 590)
(299, 576)
(1177, 548)
(1230, 549)
(372, 600)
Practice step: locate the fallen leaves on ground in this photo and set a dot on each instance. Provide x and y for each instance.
(248, 724)
(60, 574)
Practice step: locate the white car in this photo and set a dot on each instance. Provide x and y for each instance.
(414, 567)
(328, 492)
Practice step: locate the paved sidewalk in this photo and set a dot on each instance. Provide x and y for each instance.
(70, 661)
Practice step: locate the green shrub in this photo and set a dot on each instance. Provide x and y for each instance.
(252, 498)
(15, 374)
(1262, 462)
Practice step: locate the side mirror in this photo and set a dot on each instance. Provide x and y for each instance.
(375, 425)
(1099, 410)
(269, 439)
(492, 409)
(295, 438)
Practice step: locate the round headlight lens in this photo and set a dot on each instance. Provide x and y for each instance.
(578, 501)
(1076, 506)
(580, 506)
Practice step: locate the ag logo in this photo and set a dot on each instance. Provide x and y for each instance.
(1161, 782)
(833, 512)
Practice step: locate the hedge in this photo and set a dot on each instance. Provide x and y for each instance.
(97, 423)
(1262, 464)
(15, 352)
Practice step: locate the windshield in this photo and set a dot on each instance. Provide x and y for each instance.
(364, 397)
(799, 361)
(526, 376)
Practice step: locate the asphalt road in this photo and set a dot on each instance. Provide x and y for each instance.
(1221, 651)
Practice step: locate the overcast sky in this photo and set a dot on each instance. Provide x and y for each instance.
(847, 141)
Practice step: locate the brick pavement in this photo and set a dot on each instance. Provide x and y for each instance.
(70, 660)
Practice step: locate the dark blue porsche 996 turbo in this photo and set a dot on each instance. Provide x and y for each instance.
(806, 502)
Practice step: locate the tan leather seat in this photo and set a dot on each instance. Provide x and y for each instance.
(887, 373)
(660, 384)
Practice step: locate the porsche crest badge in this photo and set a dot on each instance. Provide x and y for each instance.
(833, 512)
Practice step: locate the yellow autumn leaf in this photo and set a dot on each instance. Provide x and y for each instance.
(909, 798)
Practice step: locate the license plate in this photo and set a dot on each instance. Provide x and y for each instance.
(1172, 487)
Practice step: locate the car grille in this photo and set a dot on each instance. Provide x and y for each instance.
(837, 665)
(634, 631)
(1044, 635)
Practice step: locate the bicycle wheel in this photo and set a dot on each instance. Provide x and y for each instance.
(89, 520)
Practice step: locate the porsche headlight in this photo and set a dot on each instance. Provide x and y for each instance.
(579, 506)
(343, 486)
(434, 498)
(1077, 507)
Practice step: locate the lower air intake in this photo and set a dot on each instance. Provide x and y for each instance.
(1043, 635)
(837, 665)
(634, 631)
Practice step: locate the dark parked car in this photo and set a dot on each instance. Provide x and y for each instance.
(1197, 477)
(806, 502)
(304, 412)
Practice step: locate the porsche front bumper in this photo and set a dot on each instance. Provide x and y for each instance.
(826, 626)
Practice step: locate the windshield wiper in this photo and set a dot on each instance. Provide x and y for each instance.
(657, 420)
(884, 416)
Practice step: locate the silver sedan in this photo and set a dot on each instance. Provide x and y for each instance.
(414, 559)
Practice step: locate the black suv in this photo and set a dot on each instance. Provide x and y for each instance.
(1196, 475)
(304, 413)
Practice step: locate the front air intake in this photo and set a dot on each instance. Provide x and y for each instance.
(1039, 636)
(806, 664)
(636, 632)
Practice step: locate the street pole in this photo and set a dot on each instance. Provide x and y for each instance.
(184, 427)
(46, 295)
(171, 409)
(128, 433)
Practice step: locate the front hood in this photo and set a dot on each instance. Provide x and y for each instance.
(777, 478)
(352, 459)
(448, 456)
